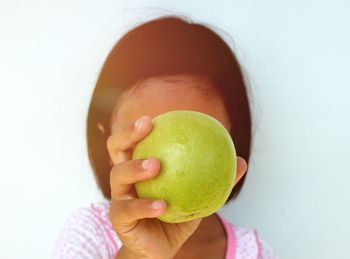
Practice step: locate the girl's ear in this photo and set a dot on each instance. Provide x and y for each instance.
(241, 169)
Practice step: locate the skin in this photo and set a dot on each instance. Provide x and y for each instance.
(201, 238)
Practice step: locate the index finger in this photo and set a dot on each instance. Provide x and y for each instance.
(126, 137)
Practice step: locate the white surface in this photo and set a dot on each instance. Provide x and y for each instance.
(296, 55)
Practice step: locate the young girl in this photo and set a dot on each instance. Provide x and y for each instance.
(162, 65)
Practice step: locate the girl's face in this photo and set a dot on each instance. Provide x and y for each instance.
(155, 96)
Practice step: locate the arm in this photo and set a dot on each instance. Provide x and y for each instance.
(81, 237)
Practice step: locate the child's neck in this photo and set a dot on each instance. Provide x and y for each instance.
(208, 241)
(209, 230)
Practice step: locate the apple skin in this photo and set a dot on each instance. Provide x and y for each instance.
(198, 164)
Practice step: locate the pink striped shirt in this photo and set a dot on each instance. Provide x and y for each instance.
(88, 234)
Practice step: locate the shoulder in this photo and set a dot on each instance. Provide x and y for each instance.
(247, 243)
(87, 233)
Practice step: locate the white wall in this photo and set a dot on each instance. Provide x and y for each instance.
(296, 55)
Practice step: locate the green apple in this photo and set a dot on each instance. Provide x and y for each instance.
(198, 164)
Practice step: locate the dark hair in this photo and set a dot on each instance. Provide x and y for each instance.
(166, 46)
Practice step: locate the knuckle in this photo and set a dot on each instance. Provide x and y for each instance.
(128, 129)
(117, 213)
(116, 175)
(124, 208)
(120, 206)
(123, 173)
(114, 172)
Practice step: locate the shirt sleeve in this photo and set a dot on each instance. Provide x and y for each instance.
(82, 237)
(266, 251)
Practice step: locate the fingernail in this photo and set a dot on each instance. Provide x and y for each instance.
(145, 164)
(156, 205)
(138, 123)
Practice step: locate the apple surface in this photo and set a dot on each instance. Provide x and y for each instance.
(197, 164)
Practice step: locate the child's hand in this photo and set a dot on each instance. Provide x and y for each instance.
(135, 220)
